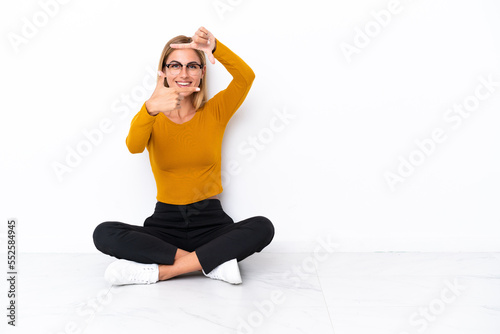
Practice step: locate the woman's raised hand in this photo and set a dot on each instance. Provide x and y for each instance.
(166, 99)
(202, 40)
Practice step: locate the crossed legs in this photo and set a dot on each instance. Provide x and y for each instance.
(156, 254)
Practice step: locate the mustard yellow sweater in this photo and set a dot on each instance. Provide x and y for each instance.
(186, 158)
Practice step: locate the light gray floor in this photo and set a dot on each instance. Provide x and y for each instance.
(341, 293)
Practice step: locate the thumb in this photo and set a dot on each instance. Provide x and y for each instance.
(161, 80)
(211, 58)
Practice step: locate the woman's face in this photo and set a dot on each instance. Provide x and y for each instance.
(189, 76)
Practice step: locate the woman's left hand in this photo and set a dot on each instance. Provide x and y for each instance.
(202, 40)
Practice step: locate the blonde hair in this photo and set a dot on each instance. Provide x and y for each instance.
(199, 98)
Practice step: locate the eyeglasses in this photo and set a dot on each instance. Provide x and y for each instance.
(193, 68)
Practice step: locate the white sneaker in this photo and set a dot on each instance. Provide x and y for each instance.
(227, 272)
(124, 272)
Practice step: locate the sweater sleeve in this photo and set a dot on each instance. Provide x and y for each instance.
(227, 101)
(140, 131)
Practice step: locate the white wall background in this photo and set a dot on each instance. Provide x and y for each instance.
(86, 63)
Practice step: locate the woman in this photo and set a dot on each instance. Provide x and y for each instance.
(188, 231)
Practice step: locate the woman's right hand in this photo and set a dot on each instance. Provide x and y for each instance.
(166, 99)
